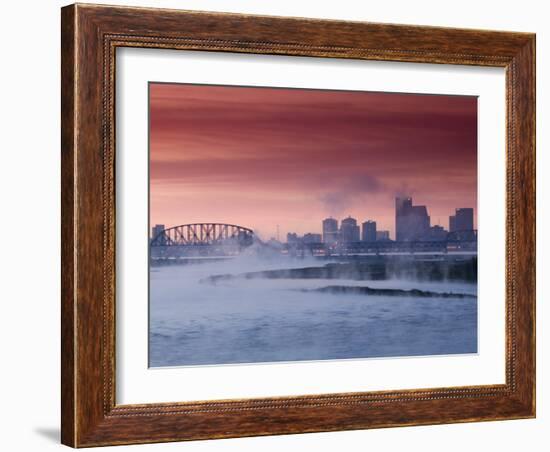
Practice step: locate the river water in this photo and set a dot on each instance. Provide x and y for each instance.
(196, 322)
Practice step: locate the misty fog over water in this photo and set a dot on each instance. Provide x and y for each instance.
(197, 320)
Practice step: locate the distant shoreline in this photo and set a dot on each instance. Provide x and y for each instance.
(376, 269)
(365, 290)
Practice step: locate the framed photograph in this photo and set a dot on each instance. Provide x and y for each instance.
(281, 225)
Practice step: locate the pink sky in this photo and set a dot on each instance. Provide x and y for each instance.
(262, 157)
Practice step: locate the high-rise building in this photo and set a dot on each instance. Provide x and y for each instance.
(382, 236)
(311, 237)
(402, 207)
(437, 233)
(330, 230)
(411, 222)
(157, 230)
(368, 233)
(349, 231)
(462, 220)
(291, 238)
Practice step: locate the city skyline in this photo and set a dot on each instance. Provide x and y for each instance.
(263, 157)
(350, 229)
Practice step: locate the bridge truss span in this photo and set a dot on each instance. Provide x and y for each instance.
(204, 234)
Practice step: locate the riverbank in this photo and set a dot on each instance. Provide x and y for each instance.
(372, 269)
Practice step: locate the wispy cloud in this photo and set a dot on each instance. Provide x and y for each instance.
(349, 190)
(217, 152)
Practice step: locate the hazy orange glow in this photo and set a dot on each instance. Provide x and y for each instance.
(262, 157)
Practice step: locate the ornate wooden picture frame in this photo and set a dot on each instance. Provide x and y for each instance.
(90, 37)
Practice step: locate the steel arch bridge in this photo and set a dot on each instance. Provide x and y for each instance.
(204, 235)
